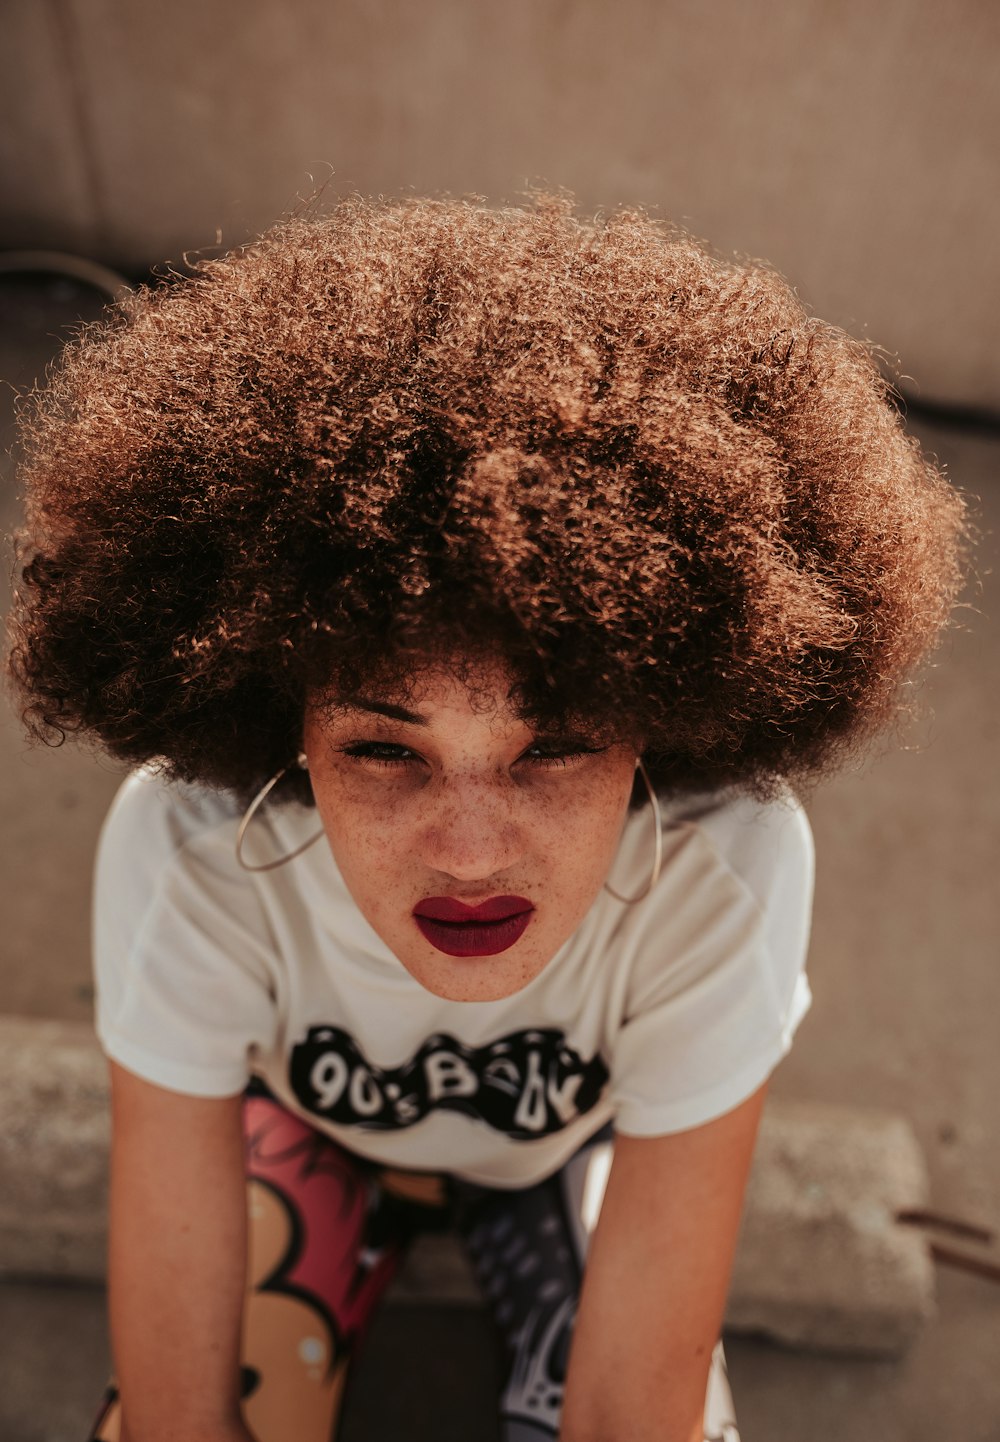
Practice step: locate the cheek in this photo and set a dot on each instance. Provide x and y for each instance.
(365, 826)
(581, 826)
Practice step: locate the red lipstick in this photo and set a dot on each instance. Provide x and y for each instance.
(483, 930)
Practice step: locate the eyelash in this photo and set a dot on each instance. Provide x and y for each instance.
(368, 751)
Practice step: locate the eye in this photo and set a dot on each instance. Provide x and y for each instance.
(379, 753)
(559, 753)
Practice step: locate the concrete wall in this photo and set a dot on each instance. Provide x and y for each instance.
(852, 144)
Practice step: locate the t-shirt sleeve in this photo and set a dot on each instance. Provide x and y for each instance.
(183, 967)
(718, 984)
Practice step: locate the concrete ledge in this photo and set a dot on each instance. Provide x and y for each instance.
(54, 1136)
(821, 1261)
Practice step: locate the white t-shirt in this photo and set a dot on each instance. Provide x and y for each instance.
(657, 1016)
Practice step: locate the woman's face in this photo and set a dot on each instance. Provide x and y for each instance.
(437, 807)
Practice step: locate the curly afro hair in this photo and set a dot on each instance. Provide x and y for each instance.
(677, 507)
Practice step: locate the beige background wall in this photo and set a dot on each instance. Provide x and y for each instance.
(852, 144)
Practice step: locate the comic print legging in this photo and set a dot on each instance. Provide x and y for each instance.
(328, 1231)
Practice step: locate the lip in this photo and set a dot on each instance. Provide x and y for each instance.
(495, 908)
(458, 929)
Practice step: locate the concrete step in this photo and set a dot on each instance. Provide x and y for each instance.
(821, 1263)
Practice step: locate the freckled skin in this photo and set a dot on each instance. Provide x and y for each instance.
(462, 810)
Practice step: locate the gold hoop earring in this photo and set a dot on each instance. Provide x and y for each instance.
(657, 847)
(251, 812)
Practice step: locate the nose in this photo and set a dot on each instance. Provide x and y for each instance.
(472, 830)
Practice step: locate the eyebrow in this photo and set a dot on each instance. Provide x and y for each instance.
(386, 708)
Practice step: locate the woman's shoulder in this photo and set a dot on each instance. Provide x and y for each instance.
(764, 844)
(733, 869)
(156, 826)
(150, 808)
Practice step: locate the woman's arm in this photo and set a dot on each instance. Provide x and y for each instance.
(655, 1283)
(177, 1261)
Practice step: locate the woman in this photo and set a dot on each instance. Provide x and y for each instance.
(470, 588)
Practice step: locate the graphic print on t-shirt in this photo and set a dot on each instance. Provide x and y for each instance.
(526, 1084)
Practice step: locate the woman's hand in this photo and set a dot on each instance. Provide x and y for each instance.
(177, 1262)
(655, 1283)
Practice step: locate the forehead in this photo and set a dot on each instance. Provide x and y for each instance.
(481, 690)
(462, 687)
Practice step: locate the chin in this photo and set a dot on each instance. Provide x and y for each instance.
(473, 978)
